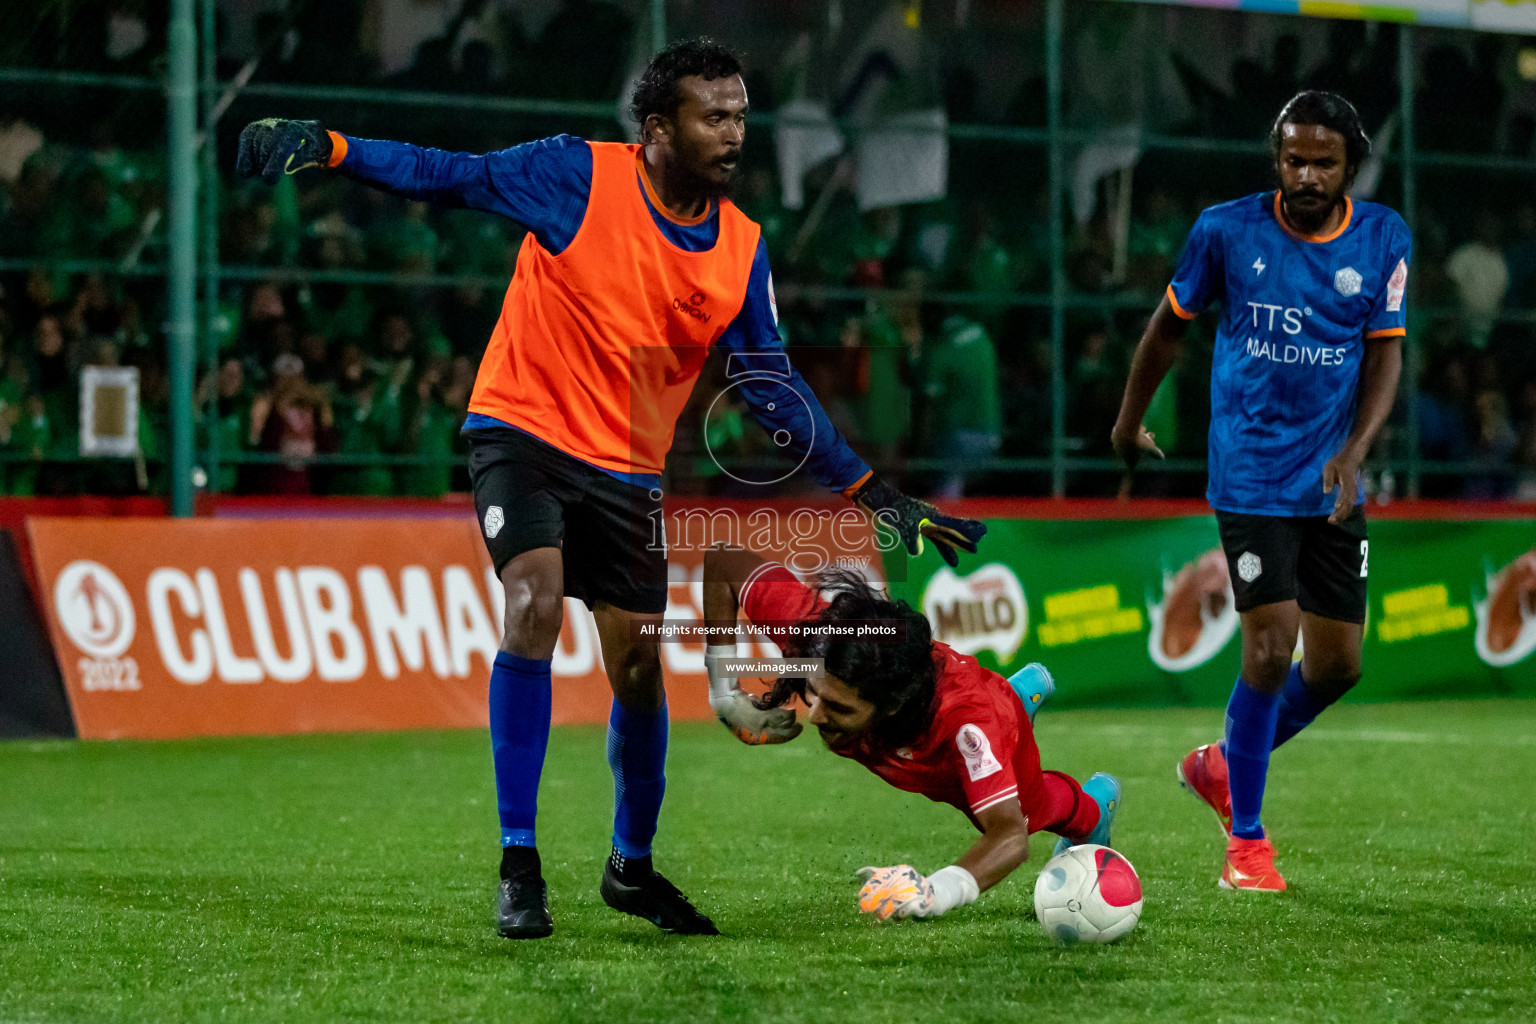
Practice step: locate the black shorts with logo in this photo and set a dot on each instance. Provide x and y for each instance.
(1306, 559)
(529, 494)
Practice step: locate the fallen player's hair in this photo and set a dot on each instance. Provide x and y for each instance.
(898, 676)
(1328, 110)
(656, 92)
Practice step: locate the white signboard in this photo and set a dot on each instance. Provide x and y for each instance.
(109, 411)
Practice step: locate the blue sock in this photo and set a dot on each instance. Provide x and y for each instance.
(520, 708)
(637, 753)
(1250, 736)
(1298, 706)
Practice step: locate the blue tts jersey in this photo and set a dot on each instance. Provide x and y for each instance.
(1296, 314)
(544, 186)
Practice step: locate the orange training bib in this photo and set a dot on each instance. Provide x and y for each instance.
(597, 348)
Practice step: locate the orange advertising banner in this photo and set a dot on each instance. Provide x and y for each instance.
(168, 628)
(203, 627)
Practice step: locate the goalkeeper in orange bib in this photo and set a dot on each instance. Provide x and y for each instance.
(636, 265)
(922, 716)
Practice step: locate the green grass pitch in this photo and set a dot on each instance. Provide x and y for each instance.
(349, 878)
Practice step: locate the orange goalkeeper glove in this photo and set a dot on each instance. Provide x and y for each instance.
(902, 892)
(738, 712)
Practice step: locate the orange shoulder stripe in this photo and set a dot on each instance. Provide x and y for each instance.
(1178, 310)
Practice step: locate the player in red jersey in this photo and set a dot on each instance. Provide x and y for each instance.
(917, 713)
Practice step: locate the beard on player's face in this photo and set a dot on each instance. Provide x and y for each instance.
(1309, 205)
(705, 168)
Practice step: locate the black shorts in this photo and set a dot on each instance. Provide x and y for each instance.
(1305, 559)
(529, 494)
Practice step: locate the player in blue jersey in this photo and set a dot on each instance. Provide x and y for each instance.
(636, 265)
(1308, 352)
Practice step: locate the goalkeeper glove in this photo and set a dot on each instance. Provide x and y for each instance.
(275, 147)
(902, 892)
(738, 712)
(913, 520)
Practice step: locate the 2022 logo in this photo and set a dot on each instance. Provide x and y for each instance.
(96, 613)
(98, 674)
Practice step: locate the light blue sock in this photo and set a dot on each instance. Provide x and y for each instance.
(1250, 737)
(1298, 706)
(520, 710)
(637, 753)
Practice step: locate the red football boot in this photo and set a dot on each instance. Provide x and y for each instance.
(1203, 772)
(1251, 867)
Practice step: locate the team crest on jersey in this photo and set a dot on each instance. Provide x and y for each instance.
(1249, 567)
(495, 519)
(976, 752)
(1397, 286)
(1347, 282)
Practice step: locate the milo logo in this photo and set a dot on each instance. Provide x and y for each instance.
(984, 610)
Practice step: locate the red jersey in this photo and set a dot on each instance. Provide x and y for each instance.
(980, 749)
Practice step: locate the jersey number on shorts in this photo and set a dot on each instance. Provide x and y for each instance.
(1365, 558)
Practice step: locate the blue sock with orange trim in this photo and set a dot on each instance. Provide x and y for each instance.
(1251, 719)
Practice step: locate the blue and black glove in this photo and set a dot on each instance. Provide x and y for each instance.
(913, 519)
(274, 147)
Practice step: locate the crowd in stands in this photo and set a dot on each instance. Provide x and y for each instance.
(319, 379)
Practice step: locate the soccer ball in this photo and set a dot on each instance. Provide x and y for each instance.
(1088, 894)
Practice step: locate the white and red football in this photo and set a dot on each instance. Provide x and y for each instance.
(1088, 894)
